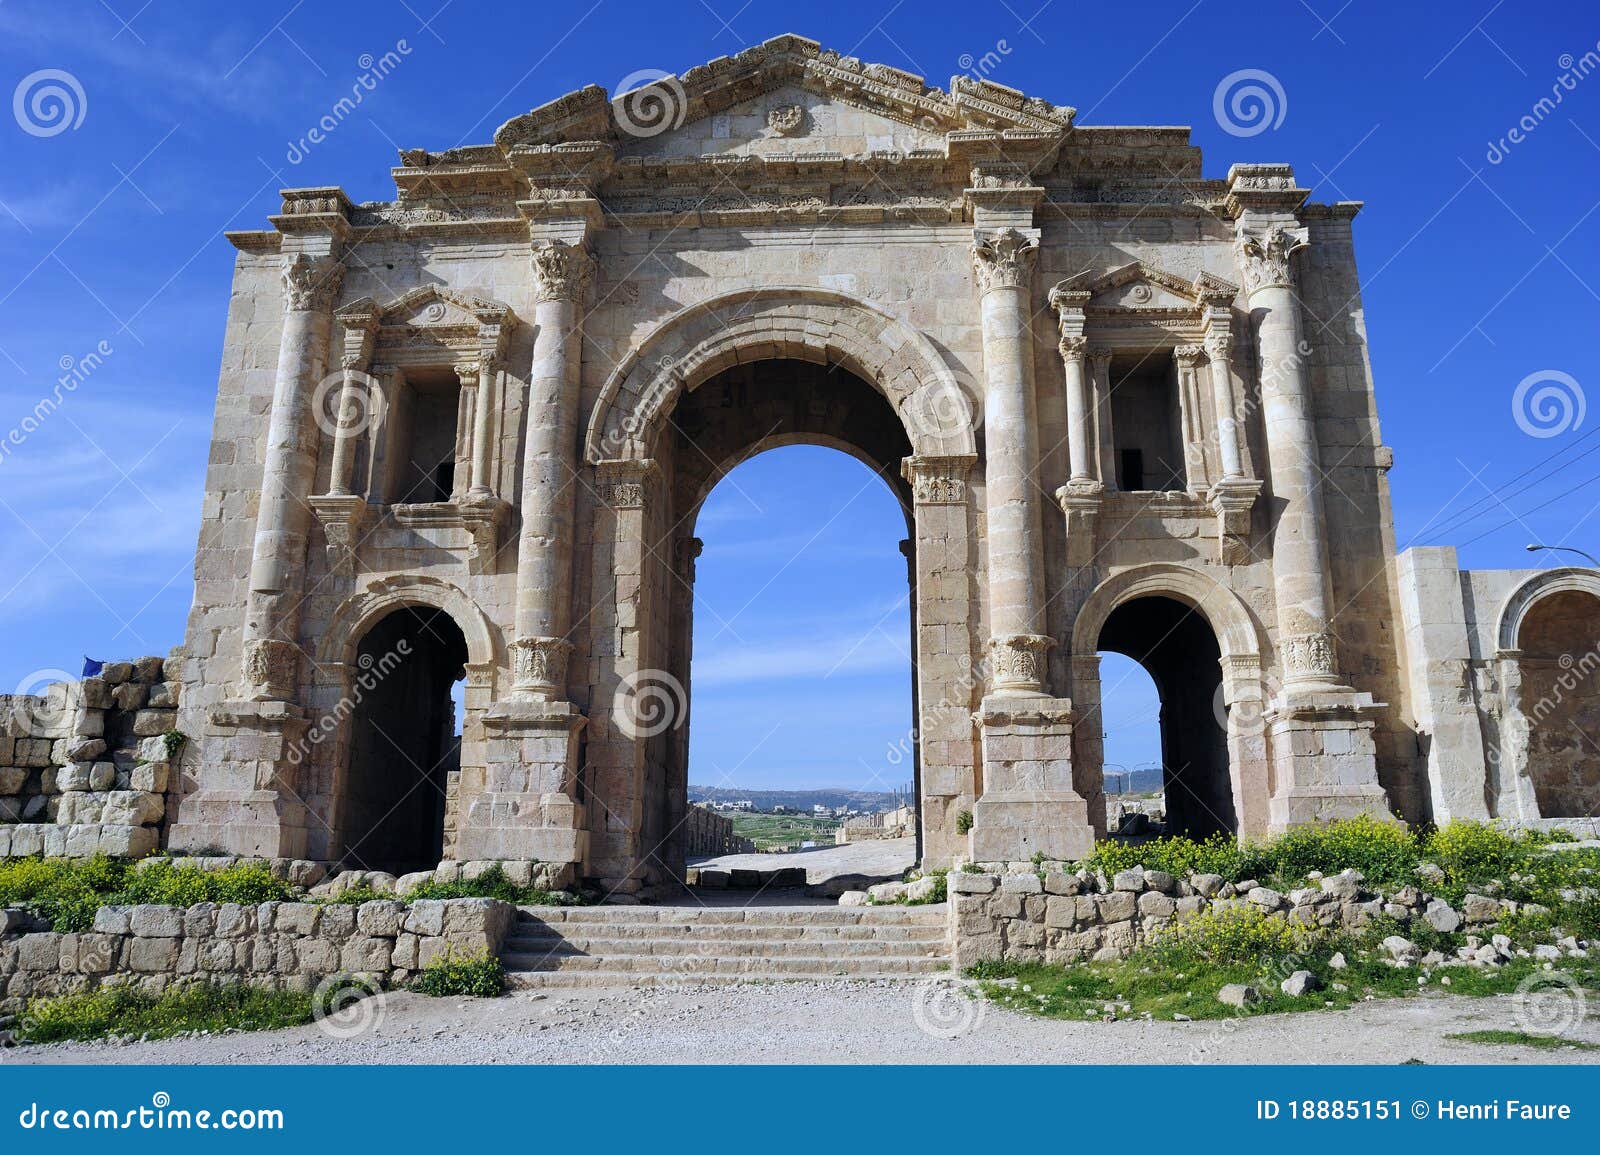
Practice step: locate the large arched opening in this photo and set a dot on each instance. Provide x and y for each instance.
(1178, 649)
(404, 741)
(1558, 646)
(727, 618)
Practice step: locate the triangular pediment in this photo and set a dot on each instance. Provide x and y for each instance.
(840, 97)
(430, 305)
(1137, 285)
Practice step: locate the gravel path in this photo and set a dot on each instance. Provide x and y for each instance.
(888, 857)
(833, 1022)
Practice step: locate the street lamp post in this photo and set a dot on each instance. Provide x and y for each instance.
(1589, 557)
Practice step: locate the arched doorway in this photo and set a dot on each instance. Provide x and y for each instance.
(737, 414)
(1558, 642)
(404, 744)
(1178, 649)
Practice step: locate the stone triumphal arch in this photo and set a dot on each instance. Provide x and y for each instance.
(1125, 406)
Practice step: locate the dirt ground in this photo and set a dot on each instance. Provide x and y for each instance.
(832, 1022)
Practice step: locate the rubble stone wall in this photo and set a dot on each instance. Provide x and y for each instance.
(279, 944)
(1056, 916)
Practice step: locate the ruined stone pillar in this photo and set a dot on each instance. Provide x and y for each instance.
(549, 475)
(1004, 260)
(277, 564)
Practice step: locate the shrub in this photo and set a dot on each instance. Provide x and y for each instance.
(1238, 934)
(964, 822)
(192, 1007)
(1182, 857)
(1384, 852)
(68, 892)
(1474, 851)
(477, 976)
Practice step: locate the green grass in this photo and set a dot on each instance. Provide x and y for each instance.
(195, 1007)
(475, 976)
(784, 831)
(1524, 1039)
(68, 892)
(1176, 979)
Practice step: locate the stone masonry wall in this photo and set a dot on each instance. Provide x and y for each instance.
(280, 944)
(1055, 916)
(707, 833)
(85, 768)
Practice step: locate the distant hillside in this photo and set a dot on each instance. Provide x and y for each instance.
(1145, 780)
(867, 801)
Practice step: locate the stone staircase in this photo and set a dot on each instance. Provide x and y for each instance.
(604, 946)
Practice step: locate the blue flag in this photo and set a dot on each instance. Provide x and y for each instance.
(91, 668)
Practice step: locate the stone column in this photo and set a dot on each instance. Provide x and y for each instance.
(549, 475)
(356, 401)
(1079, 414)
(1219, 354)
(1027, 805)
(277, 566)
(1105, 440)
(483, 432)
(1003, 260)
(1299, 545)
(1188, 359)
(1234, 495)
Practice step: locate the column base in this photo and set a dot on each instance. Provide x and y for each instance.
(247, 804)
(528, 808)
(1028, 805)
(1323, 758)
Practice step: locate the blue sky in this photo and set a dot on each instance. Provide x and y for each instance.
(1477, 253)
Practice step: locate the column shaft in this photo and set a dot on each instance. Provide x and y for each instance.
(1079, 414)
(482, 430)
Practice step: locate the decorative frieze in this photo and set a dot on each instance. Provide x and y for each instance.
(624, 484)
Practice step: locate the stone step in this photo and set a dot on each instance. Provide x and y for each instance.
(691, 966)
(735, 933)
(750, 916)
(583, 980)
(717, 948)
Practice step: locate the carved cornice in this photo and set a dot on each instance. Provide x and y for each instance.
(1003, 259)
(624, 484)
(311, 284)
(562, 272)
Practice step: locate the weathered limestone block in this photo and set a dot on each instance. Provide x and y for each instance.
(149, 723)
(152, 921)
(152, 955)
(380, 918)
(297, 918)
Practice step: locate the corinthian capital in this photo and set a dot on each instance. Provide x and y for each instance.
(310, 284)
(1003, 258)
(1264, 255)
(562, 271)
(1073, 348)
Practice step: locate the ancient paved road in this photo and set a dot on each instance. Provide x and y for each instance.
(888, 857)
(832, 1022)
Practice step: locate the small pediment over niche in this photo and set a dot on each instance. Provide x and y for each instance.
(1137, 285)
(431, 306)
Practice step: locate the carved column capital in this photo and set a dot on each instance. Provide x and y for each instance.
(1219, 345)
(938, 480)
(1309, 657)
(685, 551)
(1017, 662)
(562, 272)
(271, 669)
(1099, 358)
(310, 284)
(1003, 258)
(1188, 356)
(467, 374)
(1073, 349)
(540, 665)
(1265, 254)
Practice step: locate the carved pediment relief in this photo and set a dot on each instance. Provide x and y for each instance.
(432, 320)
(1137, 286)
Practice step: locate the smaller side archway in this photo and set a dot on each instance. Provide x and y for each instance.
(405, 752)
(1549, 639)
(1200, 645)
